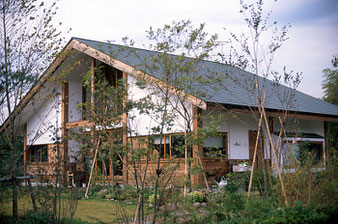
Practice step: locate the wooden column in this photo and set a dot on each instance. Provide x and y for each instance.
(327, 153)
(125, 134)
(64, 131)
(197, 179)
(25, 147)
(272, 128)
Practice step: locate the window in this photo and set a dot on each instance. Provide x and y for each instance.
(170, 146)
(177, 146)
(301, 151)
(214, 147)
(162, 145)
(38, 153)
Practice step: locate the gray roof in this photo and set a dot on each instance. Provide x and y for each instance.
(236, 87)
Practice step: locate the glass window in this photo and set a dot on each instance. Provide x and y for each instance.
(177, 146)
(162, 145)
(214, 147)
(38, 153)
(301, 151)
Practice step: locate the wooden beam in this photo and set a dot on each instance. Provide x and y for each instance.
(137, 73)
(78, 124)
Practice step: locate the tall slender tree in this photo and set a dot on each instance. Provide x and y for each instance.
(28, 42)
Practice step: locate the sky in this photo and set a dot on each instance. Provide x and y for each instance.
(313, 37)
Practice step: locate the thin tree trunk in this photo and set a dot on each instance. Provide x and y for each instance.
(32, 195)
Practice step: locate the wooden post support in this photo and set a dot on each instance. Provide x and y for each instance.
(197, 179)
(254, 157)
(327, 153)
(64, 131)
(256, 145)
(125, 133)
(25, 148)
(274, 154)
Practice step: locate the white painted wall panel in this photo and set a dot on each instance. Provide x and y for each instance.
(142, 123)
(305, 126)
(75, 98)
(43, 125)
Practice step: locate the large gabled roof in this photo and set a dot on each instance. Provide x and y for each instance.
(233, 91)
(236, 89)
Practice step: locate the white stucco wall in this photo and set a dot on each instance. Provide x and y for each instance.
(141, 123)
(305, 126)
(41, 127)
(75, 98)
(238, 126)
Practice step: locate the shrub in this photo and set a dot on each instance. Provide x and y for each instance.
(38, 217)
(196, 196)
(102, 194)
(151, 198)
(296, 213)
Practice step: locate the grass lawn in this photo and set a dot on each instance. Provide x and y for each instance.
(91, 210)
(94, 210)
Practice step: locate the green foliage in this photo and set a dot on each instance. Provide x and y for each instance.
(196, 196)
(151, 198)
(330, 87)
(330, 82)
(302, 153)
(38, 217)
(296, 213)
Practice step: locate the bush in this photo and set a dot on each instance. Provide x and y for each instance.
(196, 196)
(38, 217)
(151, 198)
(296, 213)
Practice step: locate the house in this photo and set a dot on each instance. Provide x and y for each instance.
(50, 110)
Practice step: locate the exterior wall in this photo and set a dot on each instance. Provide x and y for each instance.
(303, 126)
(44, 171)
(75, 98)
(237, 127)
(41, 127)
(306, 126)
(142, 124)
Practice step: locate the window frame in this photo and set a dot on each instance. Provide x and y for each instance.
(292, 141)
(225, 139)
(168, 153)
(30, 154)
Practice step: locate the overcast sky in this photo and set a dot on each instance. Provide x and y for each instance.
(313, 36)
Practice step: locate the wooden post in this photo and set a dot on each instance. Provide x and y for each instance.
(64, 131)
(327, 154)
(125, 134)
(25, 148)
(255, 153)
(197, 179)
(92, 167)
(274, 154)
(272, 128)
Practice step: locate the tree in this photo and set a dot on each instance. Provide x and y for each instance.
(29, 41)
(330, 87)
(330, 82)
(255, 52)
(178, 64)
